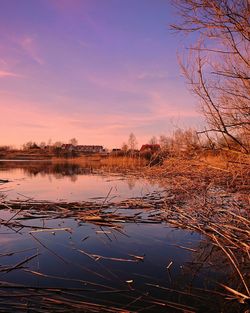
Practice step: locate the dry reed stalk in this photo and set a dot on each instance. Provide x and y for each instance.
(207, 198)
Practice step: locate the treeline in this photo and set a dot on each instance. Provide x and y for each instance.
(182, 142)
(50, 145)
(190, 142)
(48, 149)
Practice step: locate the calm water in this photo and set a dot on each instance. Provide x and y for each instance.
(70, 182)
(138, 267)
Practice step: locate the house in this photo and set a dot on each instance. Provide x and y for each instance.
(117, 152)
(83, 148)
(68, 147)
(89, 149)
(150, 148)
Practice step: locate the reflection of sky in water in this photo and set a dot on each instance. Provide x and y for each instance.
(78, 187)
(152, 241)
(65, 257)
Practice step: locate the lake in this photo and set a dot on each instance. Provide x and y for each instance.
(71, 182)
(61, 264)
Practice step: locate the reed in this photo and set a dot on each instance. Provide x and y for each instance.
(207, 195)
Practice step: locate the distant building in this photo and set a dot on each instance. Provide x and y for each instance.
(83, 148)
(89, 149)
(68, 147)
(116, 151)
(151, 148)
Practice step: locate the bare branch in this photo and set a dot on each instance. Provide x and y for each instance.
(218, 67)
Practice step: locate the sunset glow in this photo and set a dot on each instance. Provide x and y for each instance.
(91, 69)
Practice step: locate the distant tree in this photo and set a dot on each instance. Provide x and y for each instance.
(153, 141)
(132, 142)
(30, 145)
(218, 65)
(27, 145)
(124, 147)
(42, 144)
(185, 141)
(50, 142)
(165, 143)
(73, 141)
(57, 144)
(5, 148)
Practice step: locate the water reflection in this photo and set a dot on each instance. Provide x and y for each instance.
(77, 265)
(70, 181)
(44, 168)
(67, 261)
(131, 182)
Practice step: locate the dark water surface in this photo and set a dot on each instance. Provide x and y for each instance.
(142, 267)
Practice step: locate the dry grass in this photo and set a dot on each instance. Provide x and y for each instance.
(121, 163)
(124, 162)
(218, 216)
(209, 194)
(81, 160)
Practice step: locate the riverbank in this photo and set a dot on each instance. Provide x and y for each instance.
(206, 196)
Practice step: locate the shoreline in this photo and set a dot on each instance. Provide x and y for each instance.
(205, 196)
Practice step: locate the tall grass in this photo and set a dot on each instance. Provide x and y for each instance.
(118, 162)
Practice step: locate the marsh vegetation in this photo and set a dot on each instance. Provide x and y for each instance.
(173, 237)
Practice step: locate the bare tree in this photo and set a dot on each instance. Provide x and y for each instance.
(185, 141)
(218, 64)
(124, 147)
(58, 144)
(73, 141)
(42, 144)
(153, 141)
(132, 142)
(30, 145)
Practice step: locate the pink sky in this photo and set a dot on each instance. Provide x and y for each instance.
(91, 70)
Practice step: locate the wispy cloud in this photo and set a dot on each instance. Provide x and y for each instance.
(4, 74)
(31, 125)
(3, 62)
(148, 104)
(146, 75)
(29, 45)
(23, 119)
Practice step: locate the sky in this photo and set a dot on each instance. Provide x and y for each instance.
(95, 70)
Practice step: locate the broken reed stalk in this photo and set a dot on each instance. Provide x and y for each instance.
(223, 226)
(210, 200)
